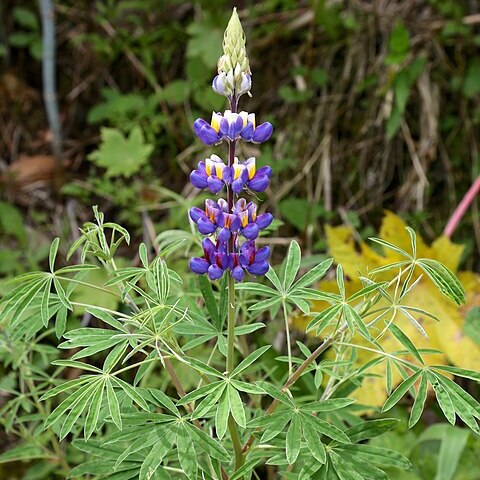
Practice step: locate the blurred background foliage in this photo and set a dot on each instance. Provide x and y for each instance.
(375, 105)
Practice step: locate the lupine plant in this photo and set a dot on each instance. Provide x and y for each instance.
(177, 380)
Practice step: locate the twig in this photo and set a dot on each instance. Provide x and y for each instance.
(48, 75)
(462, 208)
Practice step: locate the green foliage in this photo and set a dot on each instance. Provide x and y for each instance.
(124, 423)
(121, 155)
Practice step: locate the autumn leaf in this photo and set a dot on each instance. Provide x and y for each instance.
(447, 335)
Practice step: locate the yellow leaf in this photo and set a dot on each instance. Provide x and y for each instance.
(446, 335)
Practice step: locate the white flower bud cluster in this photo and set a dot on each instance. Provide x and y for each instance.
(234, 76)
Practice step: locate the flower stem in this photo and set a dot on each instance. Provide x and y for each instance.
(232, 426)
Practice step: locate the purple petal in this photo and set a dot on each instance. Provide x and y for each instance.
(238, 273)
(214, 184)
(208, 135)
(262, 171)
(259, 183)
(198, 125)
(198, 179)
(205, 226)
(224, 234)
(264, 220)
(214, 272)
(196, 213)
(228, 174)
(250, 231)
(238, 126)
(258, 268)
(224, 126)
(247, 132)
(237, 185)
(262, 133)
(199, 265)
(262, 254)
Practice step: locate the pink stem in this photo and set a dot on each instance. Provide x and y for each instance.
(462, 208)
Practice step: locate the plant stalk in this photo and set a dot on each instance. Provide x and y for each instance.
(232, 426)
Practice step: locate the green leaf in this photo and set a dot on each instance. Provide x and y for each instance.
(257, 288)
(210, 301)
(63, 387)
(400, 391)
(353, 318)
(370, 429)
(340, 281)
(444, 279)
(459, 372)
(113, 406)
(443, 399)
(325, 428)
(186, 453)
(24, 453)
(314, 443)
(273, 277)
(294, 436)
(157, 454)
(120, 155)
(53, 254)
(94, 411)
(200, 392)
(264, 304)
(236, 406)
(379, 456)
(324, 318)
(132, 392)
(61, 321)
(315, 274)
(292, 265)
(221, 416)
(453, 443)
(203, 367)
(419, 403)
(44, 310)
(208, 444)
(208, 402)
(471, 326)
(164, 400)
(246, 468)
(328, 405)
(245, 363)
(390, 246)
(61, 294)
(405, 341)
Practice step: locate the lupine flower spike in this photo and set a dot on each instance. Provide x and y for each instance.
(231, 225)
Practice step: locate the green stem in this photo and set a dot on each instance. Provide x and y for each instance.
(232, 426)
(231, 325)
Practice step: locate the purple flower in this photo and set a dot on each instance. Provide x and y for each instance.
(215, 216)
(212, 174)
(252, 133)
(246, 175)
(232, 126)
(214, 263)
(250, 223)
(249, 259)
